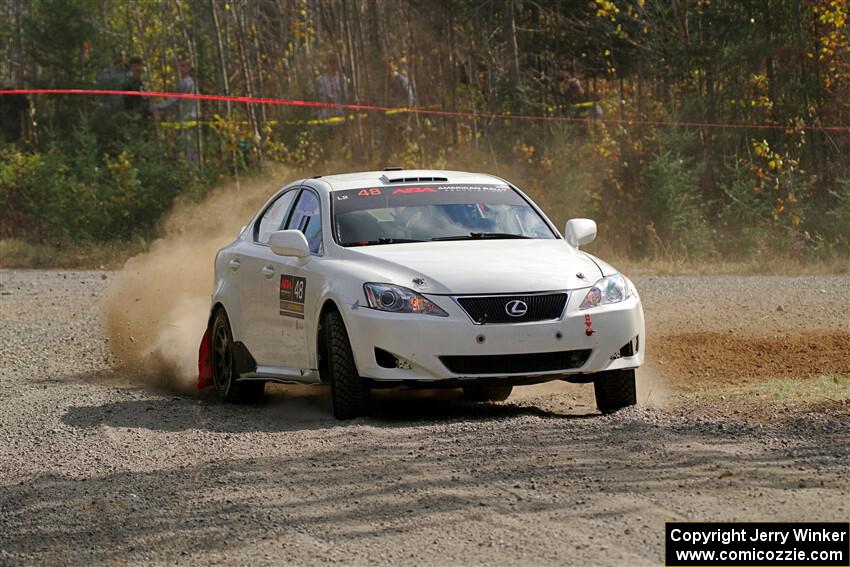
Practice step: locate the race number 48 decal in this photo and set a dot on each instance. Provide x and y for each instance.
(292, 292)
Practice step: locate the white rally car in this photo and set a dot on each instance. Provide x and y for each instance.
(418, 279)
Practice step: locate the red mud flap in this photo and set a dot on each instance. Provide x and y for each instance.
(205, 377)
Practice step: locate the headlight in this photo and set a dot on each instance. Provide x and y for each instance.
(397, 299)
(610, 289)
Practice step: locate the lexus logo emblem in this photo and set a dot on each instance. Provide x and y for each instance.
(516, 308)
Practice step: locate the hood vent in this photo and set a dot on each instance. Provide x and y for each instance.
(385, 179)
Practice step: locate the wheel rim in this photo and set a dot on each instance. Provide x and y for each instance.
(222, 359)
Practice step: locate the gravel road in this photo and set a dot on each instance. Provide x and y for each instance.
(97, 467)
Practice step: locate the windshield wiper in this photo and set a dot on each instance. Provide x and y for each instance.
(381, 240)
(480, 235)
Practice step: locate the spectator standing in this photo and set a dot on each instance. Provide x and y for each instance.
(400, 87)
(136, 105)
(399, 94)
(573, 101)
(329, 86)
(13, 112)
(188, 112)
(113, 79)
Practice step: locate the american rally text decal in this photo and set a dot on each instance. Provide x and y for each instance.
(292, 289)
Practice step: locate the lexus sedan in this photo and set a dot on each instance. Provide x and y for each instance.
(416, 278)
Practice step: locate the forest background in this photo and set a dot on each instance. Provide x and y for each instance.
(716, 140)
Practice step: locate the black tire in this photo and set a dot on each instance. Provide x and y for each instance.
(224, 366)
(350, 394)
(487, 392)
(614, 390)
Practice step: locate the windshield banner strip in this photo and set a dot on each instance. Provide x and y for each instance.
(405, 196)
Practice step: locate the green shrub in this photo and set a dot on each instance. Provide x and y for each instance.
(671, 206)
(63, 195)
(19, 172)
(838, 227)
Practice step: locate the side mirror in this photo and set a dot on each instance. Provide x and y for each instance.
(289, 243)
(580, 231)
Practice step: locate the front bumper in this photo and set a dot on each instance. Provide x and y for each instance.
(419, 341)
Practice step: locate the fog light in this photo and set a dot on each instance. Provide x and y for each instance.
(628, 349)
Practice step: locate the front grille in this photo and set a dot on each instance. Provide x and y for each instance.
(493, 309)
(516, 363)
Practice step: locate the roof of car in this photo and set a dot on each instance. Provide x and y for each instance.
(345, 181)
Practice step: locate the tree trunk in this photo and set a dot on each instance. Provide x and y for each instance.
(222, 63)
(511, 41)
(250, 109)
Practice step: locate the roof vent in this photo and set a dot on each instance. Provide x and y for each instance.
(385, 179)
(393, 168)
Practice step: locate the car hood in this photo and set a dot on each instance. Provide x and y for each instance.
(479, 266)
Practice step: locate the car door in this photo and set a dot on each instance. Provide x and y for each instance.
(296, 281)
(257, 284)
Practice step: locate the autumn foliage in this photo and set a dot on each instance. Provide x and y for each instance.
(708, 128)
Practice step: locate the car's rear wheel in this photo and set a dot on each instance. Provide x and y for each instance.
(224, 366)
(350, 394)
(614, 390)
(487, 392)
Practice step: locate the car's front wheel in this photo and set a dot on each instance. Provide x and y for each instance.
(487, 392)
(614, 390)
(224, 365)
(351, 395)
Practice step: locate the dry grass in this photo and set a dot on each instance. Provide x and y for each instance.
(833, 387)
(16, 253)
(822, 390)
(774, 266)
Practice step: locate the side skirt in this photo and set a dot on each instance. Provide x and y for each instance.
(283, 375)
(248, 370)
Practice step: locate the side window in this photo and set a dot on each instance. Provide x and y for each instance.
(274, 217)
(307, 217)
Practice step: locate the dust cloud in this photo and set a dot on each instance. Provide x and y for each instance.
(157, 306)
(653, 389)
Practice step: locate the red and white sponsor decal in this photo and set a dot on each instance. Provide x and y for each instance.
(408, 190)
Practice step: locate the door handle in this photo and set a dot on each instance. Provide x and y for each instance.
(268, 271)
(234, 264)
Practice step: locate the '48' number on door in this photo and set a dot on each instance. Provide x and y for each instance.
(292, 289)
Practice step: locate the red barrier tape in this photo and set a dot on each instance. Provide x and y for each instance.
(424, 111)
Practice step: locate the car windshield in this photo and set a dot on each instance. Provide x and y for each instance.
(393, 215)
